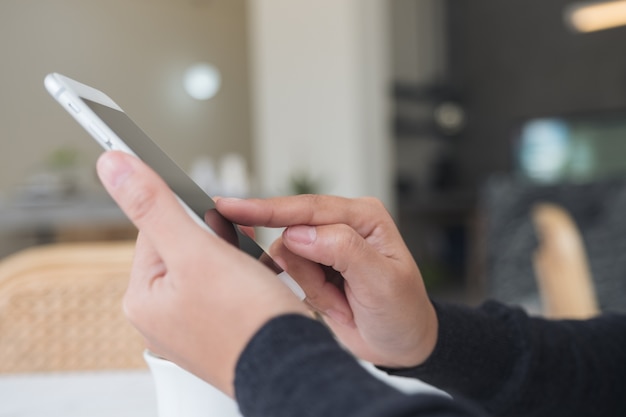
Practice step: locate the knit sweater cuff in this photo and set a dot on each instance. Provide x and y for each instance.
(294, 366)
(475, 350)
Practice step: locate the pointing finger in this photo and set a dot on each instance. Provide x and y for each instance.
(362, 214)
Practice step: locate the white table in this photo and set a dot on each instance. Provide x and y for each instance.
(78, 394)
(108, 393)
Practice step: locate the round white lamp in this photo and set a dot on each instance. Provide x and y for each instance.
(202, 81)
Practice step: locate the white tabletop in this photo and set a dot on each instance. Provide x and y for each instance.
(108, 393)
(84, 394)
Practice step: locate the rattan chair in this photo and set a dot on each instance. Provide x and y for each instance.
(510, 239)
(561, 266)
(61, 309)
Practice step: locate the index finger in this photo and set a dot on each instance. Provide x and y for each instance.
(362, 214)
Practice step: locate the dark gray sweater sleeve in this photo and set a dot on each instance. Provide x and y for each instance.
(515, 365)
(294, 367)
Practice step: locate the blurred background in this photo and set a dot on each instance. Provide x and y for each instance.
(460, 116)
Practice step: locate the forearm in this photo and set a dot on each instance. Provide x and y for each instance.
(293, 366)
(512, 364)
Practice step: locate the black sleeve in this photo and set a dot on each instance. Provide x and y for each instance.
(294, 367)
(515, 365)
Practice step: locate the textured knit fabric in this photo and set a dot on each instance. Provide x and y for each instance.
(515, 365)
(496, 356)
(294, 368)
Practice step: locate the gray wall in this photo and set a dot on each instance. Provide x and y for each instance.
(136, 51)
(517, 59)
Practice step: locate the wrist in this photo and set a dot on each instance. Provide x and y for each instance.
(422, 340)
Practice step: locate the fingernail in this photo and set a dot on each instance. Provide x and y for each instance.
(301, 234)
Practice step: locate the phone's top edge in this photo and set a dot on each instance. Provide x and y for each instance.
(57, 84)
(52, 84)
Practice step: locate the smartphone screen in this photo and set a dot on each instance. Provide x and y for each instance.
(182, 185)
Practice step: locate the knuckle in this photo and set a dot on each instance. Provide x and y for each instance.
(376, 210)
(373, 204)
(311, 198)
(346, 238)
(313, 201)
(346, 241)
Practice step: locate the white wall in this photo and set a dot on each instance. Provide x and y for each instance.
(135, 50)
(321, 93)
(419, 58)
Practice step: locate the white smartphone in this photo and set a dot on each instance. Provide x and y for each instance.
(109, 125)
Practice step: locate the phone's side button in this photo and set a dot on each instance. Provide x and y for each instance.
(100, 136)
(73, 106)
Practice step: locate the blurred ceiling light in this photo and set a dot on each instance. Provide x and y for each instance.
(595, 16)
(202, 81)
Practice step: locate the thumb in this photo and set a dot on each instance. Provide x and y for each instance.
(342, 248)
(148, 202)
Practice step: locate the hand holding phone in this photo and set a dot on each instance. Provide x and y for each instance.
(109, 125)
